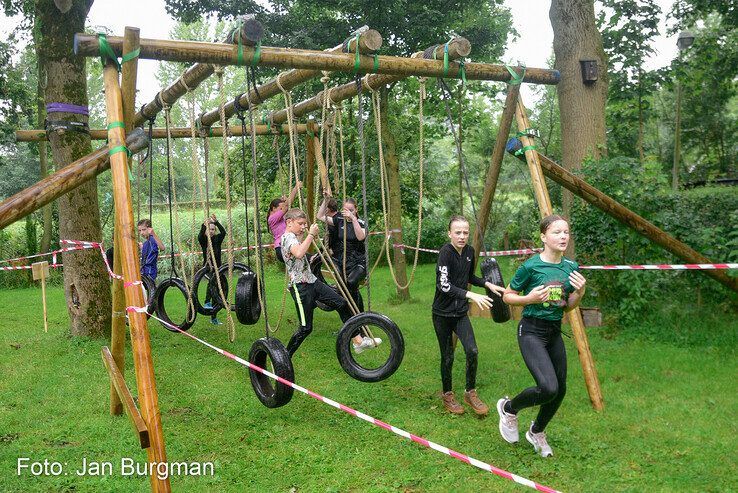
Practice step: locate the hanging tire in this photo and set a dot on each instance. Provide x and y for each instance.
(204, 274)
(161, 311)
(149, 288)
(247, 306)
(375, 364)
(223, 271)
(491, 273)
(270, 392)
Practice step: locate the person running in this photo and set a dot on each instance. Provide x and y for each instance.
(275, 218)
(149, 249)
(305, 288)
(454, 272)
(547, 284)
(346, 232)
(208, 228)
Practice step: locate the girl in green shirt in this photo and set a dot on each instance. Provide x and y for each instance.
(547, 284)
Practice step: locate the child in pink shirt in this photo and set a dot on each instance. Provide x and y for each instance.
(275, 218)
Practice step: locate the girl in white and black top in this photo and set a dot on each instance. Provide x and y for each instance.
(454, 272)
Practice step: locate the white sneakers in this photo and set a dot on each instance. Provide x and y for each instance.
(509, 431)
(367, 343)
(508, 422)
(538, 440)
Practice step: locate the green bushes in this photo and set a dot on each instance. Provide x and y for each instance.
(706, 219)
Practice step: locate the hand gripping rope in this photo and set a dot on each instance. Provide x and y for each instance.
(381, 424)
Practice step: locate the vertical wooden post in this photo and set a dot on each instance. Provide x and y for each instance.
(493, 172)
(118, 332)
(40, 270)
(128, 252)
(310, 172)
(544, 205)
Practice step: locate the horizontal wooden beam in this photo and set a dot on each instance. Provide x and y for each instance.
(227, 54)
(64, 180)
(176, 132)
(116, 378)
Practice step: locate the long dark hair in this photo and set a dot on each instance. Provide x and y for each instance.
(274, 204)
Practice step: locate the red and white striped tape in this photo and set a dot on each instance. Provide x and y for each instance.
(498, 253)
(27, 267)
(381, 424)
(661, 267)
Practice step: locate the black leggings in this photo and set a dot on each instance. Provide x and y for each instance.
(305, 296)
(545, 356)
(445, 326)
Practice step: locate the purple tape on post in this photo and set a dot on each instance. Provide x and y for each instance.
(67, 108)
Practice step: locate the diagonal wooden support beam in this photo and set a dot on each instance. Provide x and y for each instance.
(124, 394)
(625, 216)
(458, 48)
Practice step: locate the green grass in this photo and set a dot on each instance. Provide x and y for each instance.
(668, 425)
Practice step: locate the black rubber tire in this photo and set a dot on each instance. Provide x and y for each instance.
(271, 393)
(247, 307)
(223, 271)
(161, 311)
(344, 347)
(149, 288)
(491, 273)
(201, 274)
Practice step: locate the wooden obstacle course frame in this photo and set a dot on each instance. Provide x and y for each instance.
(124, 394)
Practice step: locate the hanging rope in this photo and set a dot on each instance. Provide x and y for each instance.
(446, 96)
(362, 145)
(292, 131)
(260, 285)
(376, 103)
(229, 211)
(174, 209)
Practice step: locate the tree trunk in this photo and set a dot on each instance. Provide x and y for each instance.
(43, 154)
(395, 204)
(582, 106)
(86, 286)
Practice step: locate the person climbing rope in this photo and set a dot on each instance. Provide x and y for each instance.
(275, 217)
(548, 284)
(454, 272)
(305, 288)
(346, 233)
(208, 228)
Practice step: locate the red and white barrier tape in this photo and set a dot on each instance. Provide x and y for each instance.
(661, 267)
(498, 253)
(422, 441)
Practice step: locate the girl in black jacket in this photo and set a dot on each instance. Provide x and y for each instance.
(454, 272)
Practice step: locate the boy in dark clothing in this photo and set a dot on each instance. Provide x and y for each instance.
(208, 228)
(149, 249)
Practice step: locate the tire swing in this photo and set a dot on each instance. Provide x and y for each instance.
(250, 292)
(491, 273)
(383, 360)
(173, 282)
(203, 274)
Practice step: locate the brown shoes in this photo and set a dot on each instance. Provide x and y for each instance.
(450, 403)
(471, 398)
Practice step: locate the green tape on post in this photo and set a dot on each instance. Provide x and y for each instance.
(257, 55)
(117, 149)
(357, 59)
(113, 125)
(106, 51)
(130, 56)
(515, 79)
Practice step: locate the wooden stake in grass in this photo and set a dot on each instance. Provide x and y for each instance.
(40, 272)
